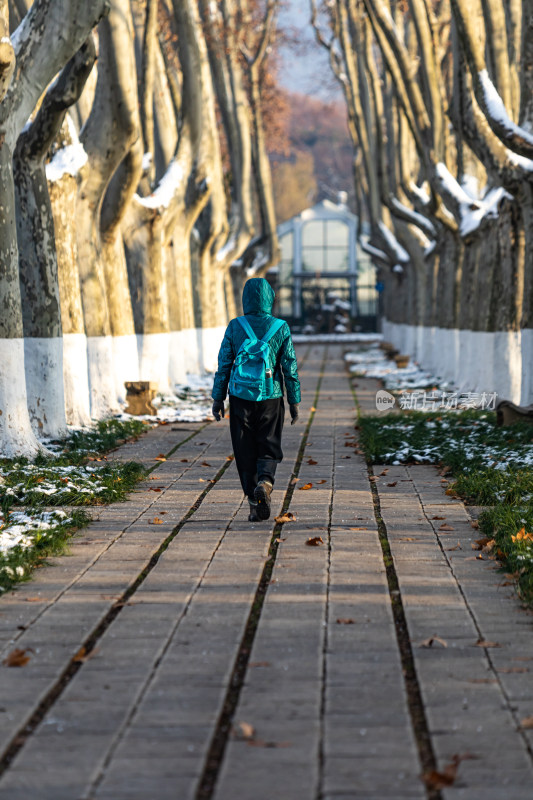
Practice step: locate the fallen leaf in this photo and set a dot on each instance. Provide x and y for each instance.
(479, 544)
(205, 464)
(278, 541)
(345, 621)
(485, 643)
(184, 460)
(438, 517)
(230, 458)
(82, 655)
(345, 456)
(244, 731)
(156, 521)
(441, 780)
(457, 547)
(322, 481)
(32, 599)
(311, 461)
(155, 489)
(18, 657)
(287, 517)
(160, 457)
(407, 539)
(451, 492)
(315, 541)
(373, 478)
(474, 524)
(433, 640)
(480, 558)
(294, 481)
(393, 483)
(445, 527)
(312, 408)
(358, 529)
(527, 723)
(304, 488)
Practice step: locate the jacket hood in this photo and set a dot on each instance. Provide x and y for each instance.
(257, 296)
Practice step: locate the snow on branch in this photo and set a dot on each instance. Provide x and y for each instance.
(413, 217)
(472, 211)
(401, 256)
(513, 134)
(374, 251)
(163, 194)
(421, 194)
(67, 161)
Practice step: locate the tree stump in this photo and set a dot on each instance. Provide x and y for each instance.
(508, 413)
(139, 396)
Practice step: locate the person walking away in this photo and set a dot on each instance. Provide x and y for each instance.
(255, 361)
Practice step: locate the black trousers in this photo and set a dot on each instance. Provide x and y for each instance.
(256, 429)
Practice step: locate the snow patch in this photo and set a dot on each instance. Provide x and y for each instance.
(67, 161)
(163, 194)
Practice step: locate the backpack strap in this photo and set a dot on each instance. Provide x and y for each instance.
(274, 328)
(247, 328)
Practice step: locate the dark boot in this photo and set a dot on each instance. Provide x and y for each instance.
(252, 516)
(262, 493)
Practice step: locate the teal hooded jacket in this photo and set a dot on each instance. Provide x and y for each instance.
(257, 300)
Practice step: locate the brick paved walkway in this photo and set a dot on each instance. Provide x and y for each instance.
(204, 657)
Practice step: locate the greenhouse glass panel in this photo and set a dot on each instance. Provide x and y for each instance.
(313, 259)
(313, 234)
(337, 233)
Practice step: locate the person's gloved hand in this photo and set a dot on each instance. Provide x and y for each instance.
(218, 410)
(294, 409)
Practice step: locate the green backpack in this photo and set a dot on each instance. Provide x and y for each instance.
(252, 372)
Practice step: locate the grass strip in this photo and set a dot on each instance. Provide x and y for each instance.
(490, 466)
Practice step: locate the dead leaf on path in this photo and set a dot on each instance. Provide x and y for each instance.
(345, 621)
(305, 487)
(451, 492)
(230, 458)
(287, 517)
(18, 657)
(407, 539)
(441, 780)
(384, 472)
(155, 488)
(479, 544)
(244, 731)
(393, 483)
(445, 527)
(315, 541)
(457, 547)
(480, 558)
(278, 541)
(374, 478)
(294, 481)
(259, 664)
(485, 643)
(345, 456)
(156, 521)
(527, 723)
(312, 408)
(322, 481)
(433, 640)
(358, 529)
(311, 461)
(184, 460)
(474, 524)
(436, 517)
(82, 655)
(32, 599)
(202, 480)
(205, 464)
(160, 457)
